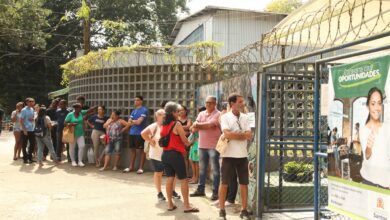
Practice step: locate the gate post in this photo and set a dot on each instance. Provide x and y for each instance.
(317, 184)
(261, 138)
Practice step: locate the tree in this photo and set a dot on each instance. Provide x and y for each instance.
(22, 24)
(283, 6)
(38, 36)
(120, 23)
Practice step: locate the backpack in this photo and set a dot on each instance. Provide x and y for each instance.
(40, 128)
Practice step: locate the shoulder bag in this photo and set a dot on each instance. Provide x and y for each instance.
(222, 144)
(68, 135)
(147, 143)
(164, 141)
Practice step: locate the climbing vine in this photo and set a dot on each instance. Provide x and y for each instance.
(204, 52)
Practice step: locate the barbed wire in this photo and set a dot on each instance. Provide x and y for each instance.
(332, 25)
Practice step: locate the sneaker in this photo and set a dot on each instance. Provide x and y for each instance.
(81, 164)
(227, 203)
(197, 193)
(175, 195)
(244, 215)
(126, 170)
(161, 197)
(222, 214)
(74, 164)
(214, 197)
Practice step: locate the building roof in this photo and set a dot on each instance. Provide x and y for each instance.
(209, 10)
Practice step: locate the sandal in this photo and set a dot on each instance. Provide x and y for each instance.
(191, 210)
(173, 208)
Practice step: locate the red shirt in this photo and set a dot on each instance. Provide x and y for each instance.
(175, 142)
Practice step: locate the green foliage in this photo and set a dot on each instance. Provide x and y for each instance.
(115, 25)
(18, 16)
(298, 168)
(205, 53)
(165, 12)
(119, 23)
(38, 36)
(23, 27)
(283, 6)
(84, 11)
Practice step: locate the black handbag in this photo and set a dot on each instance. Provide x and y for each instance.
(164, 141)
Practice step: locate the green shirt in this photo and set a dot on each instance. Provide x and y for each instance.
(78, 129)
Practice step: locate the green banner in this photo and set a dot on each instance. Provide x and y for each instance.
(356, 79)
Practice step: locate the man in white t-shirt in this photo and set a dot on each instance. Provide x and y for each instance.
(236, 128)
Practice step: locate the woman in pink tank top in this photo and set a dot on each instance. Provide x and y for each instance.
(173, 156)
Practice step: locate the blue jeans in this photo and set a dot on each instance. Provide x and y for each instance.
(204, 156)
(42, 142)
(114, 147)
(336, 157)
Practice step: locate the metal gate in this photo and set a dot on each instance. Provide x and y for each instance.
(287, 125)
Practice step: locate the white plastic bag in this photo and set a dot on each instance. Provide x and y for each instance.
(90, 155)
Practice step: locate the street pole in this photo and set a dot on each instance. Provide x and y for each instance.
(87, 35)
(87, 32)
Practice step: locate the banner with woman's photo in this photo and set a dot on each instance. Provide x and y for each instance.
(359, 139)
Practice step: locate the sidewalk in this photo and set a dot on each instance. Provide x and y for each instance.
(66, 192)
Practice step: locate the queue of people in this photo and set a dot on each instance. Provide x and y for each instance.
(175, 144)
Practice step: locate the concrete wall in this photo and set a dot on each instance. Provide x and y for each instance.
(116, 88)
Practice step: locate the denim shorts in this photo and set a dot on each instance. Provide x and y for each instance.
(114, 147)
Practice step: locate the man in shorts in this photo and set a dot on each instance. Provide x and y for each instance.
(236, 128)
(137, 122)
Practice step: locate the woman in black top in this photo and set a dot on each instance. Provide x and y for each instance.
(96, 122)
(184, 120)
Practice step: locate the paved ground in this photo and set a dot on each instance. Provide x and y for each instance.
(65, 192)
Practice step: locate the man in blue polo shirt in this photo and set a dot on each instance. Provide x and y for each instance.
(137, 122)
(27, 124)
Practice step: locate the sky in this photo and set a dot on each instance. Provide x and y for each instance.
(196, 5)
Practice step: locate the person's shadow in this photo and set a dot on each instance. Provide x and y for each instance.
(45, 169)
(164, 206)
(27, 168)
